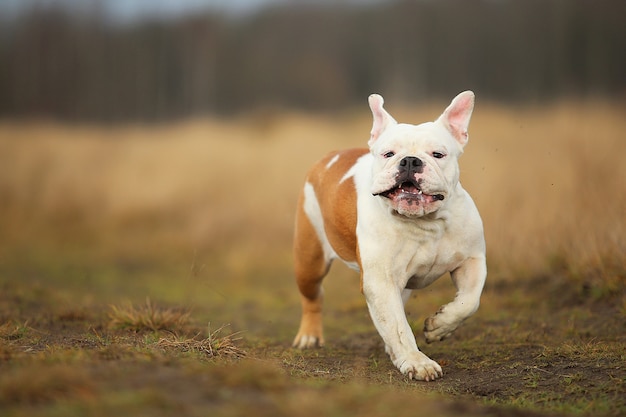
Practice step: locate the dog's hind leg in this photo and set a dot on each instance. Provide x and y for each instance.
(311, 265)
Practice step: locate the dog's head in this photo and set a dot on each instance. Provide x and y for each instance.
(415, 166)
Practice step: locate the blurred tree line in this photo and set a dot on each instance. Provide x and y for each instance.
(321, 57)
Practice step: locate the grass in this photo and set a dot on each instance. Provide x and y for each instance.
(119, 244)
(13, 331)
(147, 317)
(211, 346)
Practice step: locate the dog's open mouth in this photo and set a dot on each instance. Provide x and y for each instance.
(410, 192)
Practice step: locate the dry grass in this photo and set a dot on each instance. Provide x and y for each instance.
(148, 317)
(212, 346)
(549, 183)
(551, 188)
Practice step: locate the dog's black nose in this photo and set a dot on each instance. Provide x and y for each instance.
(412, 163)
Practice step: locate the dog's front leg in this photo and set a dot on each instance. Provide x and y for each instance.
(386, 307)
(469, 280)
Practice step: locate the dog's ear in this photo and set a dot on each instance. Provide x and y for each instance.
(457, 116)
(382, 119)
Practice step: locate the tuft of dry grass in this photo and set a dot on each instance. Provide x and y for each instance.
(13, 331)
(214, 345)
(148, 317)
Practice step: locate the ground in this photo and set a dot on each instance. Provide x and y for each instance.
(534, 348)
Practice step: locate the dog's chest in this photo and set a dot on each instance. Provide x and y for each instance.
(416, 263)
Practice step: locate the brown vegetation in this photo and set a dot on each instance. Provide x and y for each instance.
(548, 182)
(147, 317)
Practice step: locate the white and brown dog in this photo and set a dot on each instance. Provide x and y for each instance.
(398, 214)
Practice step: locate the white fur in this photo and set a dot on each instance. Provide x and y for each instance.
(332, 161)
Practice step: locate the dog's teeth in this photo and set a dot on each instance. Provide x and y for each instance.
(419, 192)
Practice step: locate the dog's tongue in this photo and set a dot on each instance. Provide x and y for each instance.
(408, 187)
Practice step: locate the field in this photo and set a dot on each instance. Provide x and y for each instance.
(146, 270)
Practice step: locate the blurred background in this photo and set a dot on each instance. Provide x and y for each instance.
(155, 60)
(138, 133)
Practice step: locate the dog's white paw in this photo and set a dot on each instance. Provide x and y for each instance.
(420, 367)
(437, 327)
(306, 341)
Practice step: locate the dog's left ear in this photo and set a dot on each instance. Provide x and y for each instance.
(457, 116)
(382, 119)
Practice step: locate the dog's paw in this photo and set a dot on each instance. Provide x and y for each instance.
(420, 367)
(437, 328)
(306, 341)
(310, 334)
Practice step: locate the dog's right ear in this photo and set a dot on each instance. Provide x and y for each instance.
(382, 119)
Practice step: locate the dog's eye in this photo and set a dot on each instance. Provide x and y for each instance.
(389, 154)
(438, 155)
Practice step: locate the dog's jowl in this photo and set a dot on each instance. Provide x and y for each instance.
(397, 213)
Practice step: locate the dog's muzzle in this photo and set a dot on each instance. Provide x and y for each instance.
(407, 186)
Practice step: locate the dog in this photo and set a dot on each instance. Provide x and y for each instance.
(397, 213)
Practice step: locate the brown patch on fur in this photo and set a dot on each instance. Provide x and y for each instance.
(338, 206)
(338, 201)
